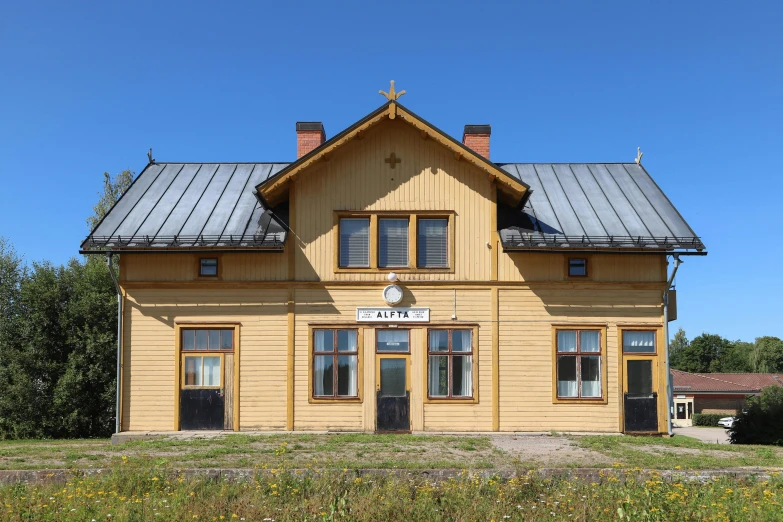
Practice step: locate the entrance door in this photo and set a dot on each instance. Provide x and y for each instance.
(393, 381)
(206, 398)
(641, 402)
(683, 412)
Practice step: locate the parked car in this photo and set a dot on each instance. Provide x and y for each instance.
(727, 422)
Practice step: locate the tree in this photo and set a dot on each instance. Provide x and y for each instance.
(676, 347)
(761, 422)
(112, 190)
(767, 355)
(703, 354)
(735, 358)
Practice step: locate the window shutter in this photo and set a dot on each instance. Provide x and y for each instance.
(355, 242)
(393, 242)
(433, 243)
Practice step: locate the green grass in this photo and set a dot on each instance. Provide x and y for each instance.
(139, 495)
(679, 452)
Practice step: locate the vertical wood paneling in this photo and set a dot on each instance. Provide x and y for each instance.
(357, 178)
(525, 266)
(267, 266)
(149, 363)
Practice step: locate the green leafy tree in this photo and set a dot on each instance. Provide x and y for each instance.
(703, 354)
(735, 358)
(676, 347)
(767, 355)
(761, 422)
(113, 188)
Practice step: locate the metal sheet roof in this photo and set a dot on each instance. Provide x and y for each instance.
(192, 205)
(594, 206)
(572, 206)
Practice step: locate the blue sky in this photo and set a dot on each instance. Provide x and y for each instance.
(89, 87)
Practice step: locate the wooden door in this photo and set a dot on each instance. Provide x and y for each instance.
(393, 393)
(640, 399)
(202, 397)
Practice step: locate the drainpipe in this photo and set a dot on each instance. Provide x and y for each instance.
(119, 339)
(669, 390)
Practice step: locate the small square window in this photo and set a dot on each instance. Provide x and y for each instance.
(208, 267)
(577, 267)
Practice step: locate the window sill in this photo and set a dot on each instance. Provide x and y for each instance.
(334, 400)
(401, 270)
(580, 400)
(451, 400)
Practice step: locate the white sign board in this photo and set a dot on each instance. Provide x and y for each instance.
(393, 315)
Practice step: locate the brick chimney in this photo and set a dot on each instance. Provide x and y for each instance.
(476, 137)
(309, 136)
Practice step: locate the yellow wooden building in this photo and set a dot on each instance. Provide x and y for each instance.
(393, 278)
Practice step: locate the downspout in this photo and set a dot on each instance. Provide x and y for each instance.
(119, 340)
(669, 390)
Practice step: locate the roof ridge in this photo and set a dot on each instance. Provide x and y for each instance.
(723, 380)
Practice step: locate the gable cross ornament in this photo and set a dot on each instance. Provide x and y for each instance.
(392, 160)
(392, 95)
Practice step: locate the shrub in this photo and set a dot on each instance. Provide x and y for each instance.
(707, 419)
(762, 420)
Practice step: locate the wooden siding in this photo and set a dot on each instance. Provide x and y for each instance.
(267, 266)
(149, 363)
(526, 352)
(616, 268)
(428, 178)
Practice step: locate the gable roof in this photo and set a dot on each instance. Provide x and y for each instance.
(744, 383)
(191, 206)
(589, 206)
(515, 189)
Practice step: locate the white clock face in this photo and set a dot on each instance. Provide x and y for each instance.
(392, 294)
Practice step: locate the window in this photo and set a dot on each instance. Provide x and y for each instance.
(393, 250)
(204, 369)
(578, 355)
(577, 267)
(638, 342)
(432, 243)
(335, 363)
(208, 267)
(392, 341)
(204, 339)
(355, 242)
(450, 359)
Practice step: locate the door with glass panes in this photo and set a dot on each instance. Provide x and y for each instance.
(640, 397)
(392, 378)
(206, 386)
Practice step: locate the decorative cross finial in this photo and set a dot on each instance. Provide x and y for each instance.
(149, 157)
(392, 160)
(391, 95)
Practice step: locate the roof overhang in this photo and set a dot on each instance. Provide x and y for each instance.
(513, 191)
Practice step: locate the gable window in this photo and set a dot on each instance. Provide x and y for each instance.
(638, 342)
(355, 242)
(450, 364)
(577, 267)
(335, 363)
(432, 243)
(208, 267)
(203, 353)
(578, 355)
(393, 244)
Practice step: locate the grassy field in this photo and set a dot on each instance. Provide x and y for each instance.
(358, 451)
(134, 495)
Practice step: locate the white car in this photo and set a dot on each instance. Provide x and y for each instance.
(727, 422)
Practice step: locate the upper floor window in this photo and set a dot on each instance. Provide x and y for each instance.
(386, 241)
(432, 243)
(393, 244)
(355, 242)
(578, 355)
(577, 267)
(208, 267)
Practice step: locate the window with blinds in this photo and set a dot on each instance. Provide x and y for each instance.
(355, 242)
(432, 243)
(393, 243)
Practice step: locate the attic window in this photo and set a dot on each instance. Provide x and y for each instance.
(208, 267)
(577, 267)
